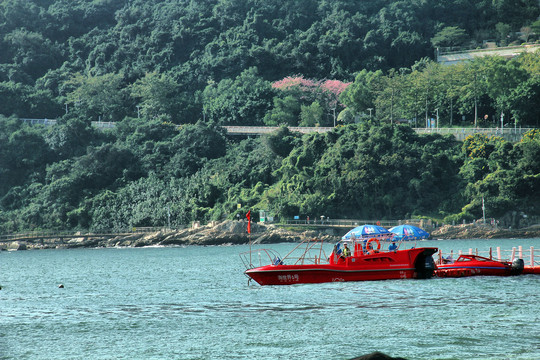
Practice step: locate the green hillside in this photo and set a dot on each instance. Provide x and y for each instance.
(103, 58)
(169, 73)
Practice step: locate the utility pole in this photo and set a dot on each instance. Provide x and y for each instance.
(475, 101)
(475, 112)
(483, 210)
(451, 112)
(427, 121)
(392, 107)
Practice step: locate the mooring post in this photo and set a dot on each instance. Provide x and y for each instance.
(532, 255)
(490, 254)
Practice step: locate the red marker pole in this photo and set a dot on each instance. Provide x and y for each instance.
(248, 216)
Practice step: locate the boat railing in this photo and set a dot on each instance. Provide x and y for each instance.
(259, 257)
(312, 251)
(309, 251)
(528, 255)
(387, 244)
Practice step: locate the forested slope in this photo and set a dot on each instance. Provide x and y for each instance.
(169, 73)
(58, 53)
(145, 170)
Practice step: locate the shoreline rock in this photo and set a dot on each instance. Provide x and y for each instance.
(483, 231)
(227, 232)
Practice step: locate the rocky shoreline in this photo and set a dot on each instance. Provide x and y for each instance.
(234, 233)
(484, 231)
(225, 233)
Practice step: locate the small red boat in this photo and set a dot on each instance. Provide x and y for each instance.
(530, 269)
(471, 265)
(364, 259)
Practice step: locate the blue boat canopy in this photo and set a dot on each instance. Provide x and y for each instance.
(409, 232)
(367, 231)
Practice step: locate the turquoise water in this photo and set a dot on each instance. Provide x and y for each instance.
(195, 303)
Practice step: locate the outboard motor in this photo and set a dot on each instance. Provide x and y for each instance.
(517, 267)
(425, 267)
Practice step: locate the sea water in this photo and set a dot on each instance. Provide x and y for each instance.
(195, 303)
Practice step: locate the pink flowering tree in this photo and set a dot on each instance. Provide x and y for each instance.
(333, 89)
(325, 92)
(298, 82)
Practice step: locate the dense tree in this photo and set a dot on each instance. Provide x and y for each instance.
(360, 96)
(478, 92)
(143, 169)
(281, 142)
(366, 173)
(286, 111)
(449, 36)
(194, 43)
(70, 137)
(24, 154)
(243, 101)
(97, 97)
(311, 115)
(505, 176)
(156, 95)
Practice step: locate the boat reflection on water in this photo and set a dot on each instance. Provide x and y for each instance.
(352, 259)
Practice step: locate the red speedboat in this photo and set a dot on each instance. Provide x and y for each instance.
(531, 269)
(367, 259)
(471, 265)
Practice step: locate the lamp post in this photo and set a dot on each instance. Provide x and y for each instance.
(427, 120)
(475, 112)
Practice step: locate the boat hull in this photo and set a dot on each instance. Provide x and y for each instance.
(464, 271)
(403, 264)
(531, 270)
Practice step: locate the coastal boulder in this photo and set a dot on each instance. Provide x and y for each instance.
(17, 245)
(377, 356)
